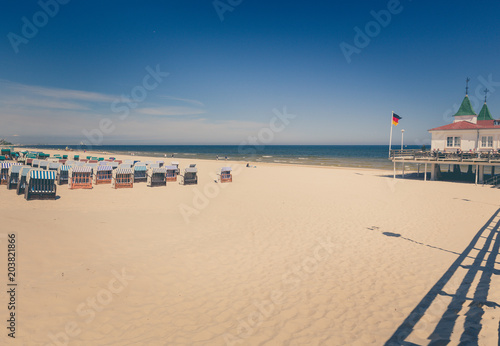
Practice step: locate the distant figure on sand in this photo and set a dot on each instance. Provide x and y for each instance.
(217, 157)
(226, 157)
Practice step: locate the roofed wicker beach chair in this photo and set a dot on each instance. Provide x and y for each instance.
(21, 182)
(225, 175)
(157, 176)
(43, 164)
(76, 157)
(53, 166)
(63, 174)
(161, 163)
(40, 184)
(176, 164)
(80, 177)
(122, 178)
(171, 173)
(103, 174)
(190, 176)
(4, 172)
(13, 178)
(35, 163)
(114, 164)
(140, 173)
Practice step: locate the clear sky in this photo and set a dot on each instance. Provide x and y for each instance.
(74, 70)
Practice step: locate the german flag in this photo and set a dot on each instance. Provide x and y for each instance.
(395, 119)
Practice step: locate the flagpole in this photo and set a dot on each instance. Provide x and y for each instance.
(390, 138)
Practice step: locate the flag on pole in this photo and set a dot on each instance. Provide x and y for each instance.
(395, 119)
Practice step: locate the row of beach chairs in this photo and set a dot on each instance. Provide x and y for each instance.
(38, 179)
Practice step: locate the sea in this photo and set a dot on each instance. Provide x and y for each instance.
(362, 156)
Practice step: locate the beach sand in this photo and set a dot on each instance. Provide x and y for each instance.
(284, 255)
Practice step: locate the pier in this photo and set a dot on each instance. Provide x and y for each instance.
(473, 163)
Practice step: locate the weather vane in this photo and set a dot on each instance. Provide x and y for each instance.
(485, 94)
(467, 80)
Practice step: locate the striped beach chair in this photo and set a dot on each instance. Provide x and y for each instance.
(80, 177)
(190, 176)
(157, 176)
(4, 172)
(225, 175)
(21, 182)
(103, 174)
(140, 173)
(40, 185)
(122, 178)
(63, 174)
(13, 178)
(171, 173)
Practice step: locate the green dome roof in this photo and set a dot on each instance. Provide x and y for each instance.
(465, 108)
(485, 113)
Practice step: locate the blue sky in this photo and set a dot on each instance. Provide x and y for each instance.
(58, 84)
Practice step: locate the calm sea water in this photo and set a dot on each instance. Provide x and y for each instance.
(366, 156)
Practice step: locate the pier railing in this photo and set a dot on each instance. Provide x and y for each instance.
(416, 154)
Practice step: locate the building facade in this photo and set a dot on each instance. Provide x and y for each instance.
(468, 132)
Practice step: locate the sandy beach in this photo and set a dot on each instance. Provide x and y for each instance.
(283, 255)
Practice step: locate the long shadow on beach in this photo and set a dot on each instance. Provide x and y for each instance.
(487, 244)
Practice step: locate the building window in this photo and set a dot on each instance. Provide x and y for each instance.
(457, 141)
(487, 141)
(449, 141)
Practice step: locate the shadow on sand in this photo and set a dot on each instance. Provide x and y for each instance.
(482, 251)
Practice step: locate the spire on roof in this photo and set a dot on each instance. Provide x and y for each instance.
(467, 80)
(465, 108)
(485, 113)
(485, 94)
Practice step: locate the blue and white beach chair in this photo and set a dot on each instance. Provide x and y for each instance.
(63, 174)
(40, 184)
